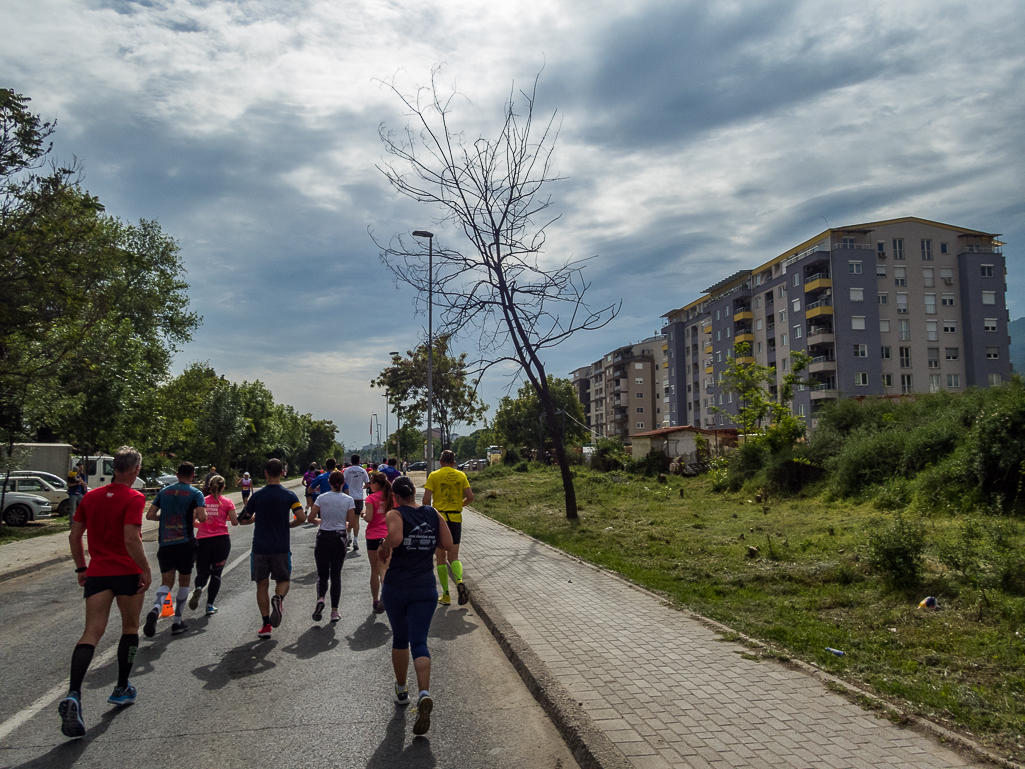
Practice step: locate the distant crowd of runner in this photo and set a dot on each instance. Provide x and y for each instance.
(403, 541)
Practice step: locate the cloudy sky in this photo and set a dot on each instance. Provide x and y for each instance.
(697, 138)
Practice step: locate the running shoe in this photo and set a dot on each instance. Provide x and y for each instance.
(318, 612)
(355, 545)
(151, 622)
(424, 706)
(378, 607)
(464, 594)
(445, 600)
(210, 609)
(401, 694)
(126, 696)
(178, 629)
(264, 632)
(194, 600)
(70, 709)
(275, 611)
(335, 616)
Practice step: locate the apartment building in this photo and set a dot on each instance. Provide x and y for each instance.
(624, 389)
(893, 307)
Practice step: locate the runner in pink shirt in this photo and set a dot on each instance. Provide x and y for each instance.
(377, 505)
(214, 544)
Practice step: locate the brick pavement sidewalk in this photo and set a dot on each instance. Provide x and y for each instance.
(662, 686)
(28, 555)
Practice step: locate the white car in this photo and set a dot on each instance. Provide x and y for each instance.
(40, 487)
(54, 480)
(19, 509)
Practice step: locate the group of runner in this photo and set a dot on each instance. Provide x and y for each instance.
(403, 541)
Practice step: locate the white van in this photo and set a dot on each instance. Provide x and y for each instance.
(99, 471)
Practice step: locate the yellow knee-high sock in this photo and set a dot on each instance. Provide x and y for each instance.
(443, 578)
(457, 570)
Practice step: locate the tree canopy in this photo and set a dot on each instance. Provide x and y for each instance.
(521, 421)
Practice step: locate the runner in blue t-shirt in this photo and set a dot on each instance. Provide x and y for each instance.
(390, 470)
(274, 510)
(176, 507)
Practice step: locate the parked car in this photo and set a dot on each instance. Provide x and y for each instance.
(40, 487)
(19, 509)
(54, 480)
(421, 465)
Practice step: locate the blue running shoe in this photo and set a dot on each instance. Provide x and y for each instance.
(125, 696)
(70, 709)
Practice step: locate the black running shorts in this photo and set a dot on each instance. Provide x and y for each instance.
(180, 558)
(122, 584)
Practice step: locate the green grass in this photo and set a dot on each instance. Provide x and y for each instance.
(55, 525)
(807, 587)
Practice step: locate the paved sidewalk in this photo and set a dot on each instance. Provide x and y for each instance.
(663, 687)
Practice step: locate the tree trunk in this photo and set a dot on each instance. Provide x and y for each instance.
(560, 450)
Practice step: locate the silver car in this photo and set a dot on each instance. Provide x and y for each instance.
(19, 509)
(41, 486)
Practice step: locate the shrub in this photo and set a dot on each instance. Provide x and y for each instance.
(787, 473)
(895, 494)
(512, 456)
(522, 467)
(898, 551)
(653, 463)
(867, 458)
(608, 455)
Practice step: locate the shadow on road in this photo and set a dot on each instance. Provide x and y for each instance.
(317, 640)
(374, 632)
(243, 661)
(393, 751)
(68, 753)
(450, 623)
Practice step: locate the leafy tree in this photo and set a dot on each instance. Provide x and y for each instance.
(454, 400)
(321, 445)
(500, 287)
(521, 422)
(410, 442)
(467, 446)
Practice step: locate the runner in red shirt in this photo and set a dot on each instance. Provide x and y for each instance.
(117, 569)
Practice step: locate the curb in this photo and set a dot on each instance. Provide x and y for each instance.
(21, 572)
(589, 745)
(946, 737)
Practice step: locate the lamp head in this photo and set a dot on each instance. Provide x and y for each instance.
(422, 234)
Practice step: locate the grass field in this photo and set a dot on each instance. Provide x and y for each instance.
(54, 525)
(806, 587)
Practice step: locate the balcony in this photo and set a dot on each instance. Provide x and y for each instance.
(747, 360)
(743, 314)
(821, 337)
(823, 306)
(709, 369)
(818, 282)
(822, 363)
(708, 347)
(823, 392)
(746, 336)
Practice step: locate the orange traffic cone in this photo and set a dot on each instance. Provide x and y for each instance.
(168, 610)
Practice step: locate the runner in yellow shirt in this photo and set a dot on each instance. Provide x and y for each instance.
(447, 490)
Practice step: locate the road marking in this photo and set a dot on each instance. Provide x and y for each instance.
(56, 692)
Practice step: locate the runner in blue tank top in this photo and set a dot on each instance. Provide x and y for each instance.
(409, 593)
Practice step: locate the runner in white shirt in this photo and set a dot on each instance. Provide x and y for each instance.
(357, 479)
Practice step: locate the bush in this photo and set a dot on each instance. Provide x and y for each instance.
(608, 455)
(522, 467)
(867, 458)
(898, 551)
(512, 456)
(653, 463)
(787, 473)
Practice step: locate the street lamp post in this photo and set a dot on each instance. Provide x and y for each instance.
(398, 429)
(430, 342)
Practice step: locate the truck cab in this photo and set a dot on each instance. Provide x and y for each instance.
(99, 471)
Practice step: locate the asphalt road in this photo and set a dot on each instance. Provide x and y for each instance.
(315, 695)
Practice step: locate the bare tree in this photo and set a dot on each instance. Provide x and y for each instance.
(499, 287)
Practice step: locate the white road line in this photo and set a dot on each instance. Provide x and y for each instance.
(56, 692)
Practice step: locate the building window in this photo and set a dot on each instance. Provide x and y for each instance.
(905, 357)
(930, 304)
(758, 302)
(782, 316)
(884, 326)
(953, 380)
(861, 351)
(989, 297)
(987, 270)
(934, 357)
(943, 248)
(898, 248)
(759, 346)
(783, 340)
(950, 353)
(989, 324)
(797, 332)
(904, 330)
(847, 242)
(884, 298)
(881, 248)
(640, 409)
(800, 410)
(638, 380)
(949, 327)
(992, 353)
(885, 349)
(928, 277)
(640, 395)
(861, 379)
(927, 250)
(758, 325)
(797, 279)
(729, 397)
(718, 335)
(640, 425)
(720, 399)
(854, 268)
(900, 276)
(948, 300)
(857, 295)
(887, 380)
(906, 385)
(858, 322)
(995, 379)
(796, 304)
(934, 383)
(902, 303)
(947, 275)
(786, 364)
(638, 366)
(931, 334)
(728, 332)
(718, 357)
(880, 270)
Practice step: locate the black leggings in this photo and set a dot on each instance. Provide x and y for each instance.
(330, 555)
(210, 559)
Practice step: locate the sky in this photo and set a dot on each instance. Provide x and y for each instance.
(695, 139)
